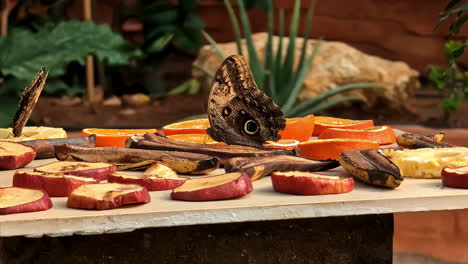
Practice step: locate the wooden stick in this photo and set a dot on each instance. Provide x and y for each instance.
(91, 91)
(4, 18)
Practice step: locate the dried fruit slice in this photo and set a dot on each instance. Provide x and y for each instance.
(14, 155)
(288, 144)
(103, 196)
(427, 162)
(323, 149)
(299, 128)
(324, 122)
(158, 177)
(56, 185)
(20, 200)
(97, 170)
(455, 177)
(195, 138)
(380, 134)
(372, 167)
(196, 126)
(114, 137)
(310, 183)
(219, 187)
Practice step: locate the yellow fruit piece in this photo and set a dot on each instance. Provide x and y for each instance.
(32, 133)
(428, 162)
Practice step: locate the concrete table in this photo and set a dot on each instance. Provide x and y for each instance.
(263, 227)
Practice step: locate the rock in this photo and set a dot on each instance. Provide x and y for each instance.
(66, 101)
(128, 112)
(335, 64)
(112, 101)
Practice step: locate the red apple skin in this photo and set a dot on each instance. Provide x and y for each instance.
(150, 184)
(39, 205)
(310, 186)
(239, 187)
(54, 186)
(99, 174)
(455, 179)
(85, 202)
(15, 162)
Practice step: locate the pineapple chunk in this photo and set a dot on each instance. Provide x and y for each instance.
(32, 133)
(427, 162)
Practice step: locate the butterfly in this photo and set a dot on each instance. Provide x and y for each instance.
(238, 112)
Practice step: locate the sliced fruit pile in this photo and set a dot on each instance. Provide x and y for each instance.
(196, 126)
(325, 122)
(114, 137)
(309, 183)
(220, 187)
(381, 134)
(14, 155)
(299, 128)
(32, 133)
(55, 184)
(158, 177)
(97, 170)
(324, 149)
(288, 144)
(107, 196)
(428, 162)
(195, 138)
(456, 177)
(20, 200)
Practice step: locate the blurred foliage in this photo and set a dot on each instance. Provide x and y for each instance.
(452, 83)
(166, 24)
(277, 76)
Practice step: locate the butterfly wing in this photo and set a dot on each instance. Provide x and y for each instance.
(239, 113)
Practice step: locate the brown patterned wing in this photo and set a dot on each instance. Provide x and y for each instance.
(27, 102)
(239, 113)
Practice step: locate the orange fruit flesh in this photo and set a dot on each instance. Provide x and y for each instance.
(299, 128)
(324, 122)
(195, 138)
(196, 126)
(323, 149)
(114, 137)
(381, 134)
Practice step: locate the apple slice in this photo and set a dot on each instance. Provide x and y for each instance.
(310, 183)
(55, 184)
(455, 177)
(96, 170)
(158, 177)
(14, 155)
(219, 187)
(103, 196)
(20, 200)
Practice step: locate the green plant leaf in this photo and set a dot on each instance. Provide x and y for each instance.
(288, 67)
(191, 86)
(449, 105)
(188, 39)
(277, 71)
(309, 20)
(454, 49)
(23, 53)
(214, 45)
(437, 77)
(301, 75)
(205, 71)
(313, 102)
(7, 109)
(160, 43)
(256, 67)
(269, 65)
(235, 26)
(323, 106)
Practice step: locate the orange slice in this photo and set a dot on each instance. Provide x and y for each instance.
(299, 128)
(324, 122)
(195, 138)
(288, 144)
(114, 137)
(381, 134)
(323, 149)
(196, 126)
